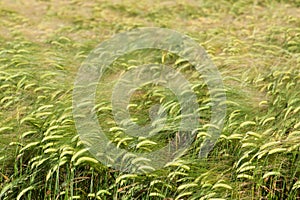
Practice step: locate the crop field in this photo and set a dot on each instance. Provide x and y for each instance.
(255, 45)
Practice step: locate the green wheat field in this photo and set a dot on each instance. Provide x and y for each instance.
(255, 44)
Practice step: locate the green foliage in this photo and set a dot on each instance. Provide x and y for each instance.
(254, 44)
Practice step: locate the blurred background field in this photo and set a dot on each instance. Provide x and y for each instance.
(254, 43)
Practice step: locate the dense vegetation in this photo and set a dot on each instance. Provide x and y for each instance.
(254, 44)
